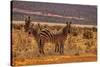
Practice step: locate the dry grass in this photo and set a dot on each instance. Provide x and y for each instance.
(79, 46)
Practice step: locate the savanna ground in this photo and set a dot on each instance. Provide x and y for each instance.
(80, 45)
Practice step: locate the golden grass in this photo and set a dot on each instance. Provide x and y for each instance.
(76, 47)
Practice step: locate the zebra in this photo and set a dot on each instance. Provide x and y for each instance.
(41, 35)
(60, 37)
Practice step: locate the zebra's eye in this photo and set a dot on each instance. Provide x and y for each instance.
(29, 32)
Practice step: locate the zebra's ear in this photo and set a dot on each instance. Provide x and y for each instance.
(66, 22)
(28, 17)
(70, 22)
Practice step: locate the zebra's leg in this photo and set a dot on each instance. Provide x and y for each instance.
(39, 49)
(39, 46)
(42, 48)
(61, 48)
(57, 47)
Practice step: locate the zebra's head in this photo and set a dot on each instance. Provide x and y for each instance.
(67, 28)
(32, 30)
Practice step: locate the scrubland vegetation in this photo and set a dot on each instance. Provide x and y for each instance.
(80, 45)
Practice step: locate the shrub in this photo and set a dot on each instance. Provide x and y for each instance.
(17, 26)
(75, 31)
(88, 45)
(87, 35)
(94, 29)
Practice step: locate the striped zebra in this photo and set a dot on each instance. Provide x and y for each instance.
(42, 35)
(60, 37)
